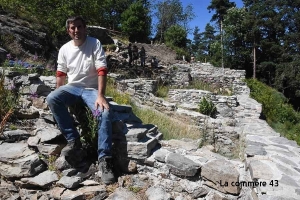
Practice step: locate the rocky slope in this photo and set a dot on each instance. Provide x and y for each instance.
(147, 166)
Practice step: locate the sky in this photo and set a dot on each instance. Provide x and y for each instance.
(202, 14)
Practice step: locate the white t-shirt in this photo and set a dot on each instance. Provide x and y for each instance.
(80, 63)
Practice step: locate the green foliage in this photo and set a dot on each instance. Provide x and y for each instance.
(176, 36)
(279, 114)
(109, 47)
(201, 85)
(216, 57)
(6, 39)
(275, 106)
(51, 163)
(8, 97)
(53, 13)
(90, 135)
(168, 126)
(135, 21)
(207, 107)
(180, 52)
(12, 127)
(118, 97)
(170, 13)
(134, 189)
(220, 7)
(162, 91)
(43, 71)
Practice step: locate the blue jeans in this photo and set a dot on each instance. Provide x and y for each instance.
(60, 99)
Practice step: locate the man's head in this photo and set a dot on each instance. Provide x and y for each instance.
(76, 28)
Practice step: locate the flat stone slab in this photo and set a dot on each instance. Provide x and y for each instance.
(43, 180)
(136, 134)
(181, 165)
(220, 174)
(283, 141)
(17, 160)
(13, 151)
(252, 150)
(259, 170)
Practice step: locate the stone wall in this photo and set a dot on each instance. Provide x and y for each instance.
(194, 97)
(227, 79)
(185, 102)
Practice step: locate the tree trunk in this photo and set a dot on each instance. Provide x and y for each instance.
(222, 46)
(254, 60)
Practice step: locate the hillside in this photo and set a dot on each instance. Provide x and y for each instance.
(234, 155)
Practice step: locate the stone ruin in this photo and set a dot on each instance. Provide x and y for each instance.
(253, 161)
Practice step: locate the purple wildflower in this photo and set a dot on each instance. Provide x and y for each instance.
(35, 57)
(8, 56)
(96, 113)
(12, 87)
(50, 67)
(33, 95)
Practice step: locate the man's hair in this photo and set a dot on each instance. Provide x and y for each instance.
(74, 18)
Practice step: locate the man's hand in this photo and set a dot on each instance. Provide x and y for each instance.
(101, 103)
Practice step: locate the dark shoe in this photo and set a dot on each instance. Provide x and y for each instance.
(105, 167)
(71, 147)
(74, 154)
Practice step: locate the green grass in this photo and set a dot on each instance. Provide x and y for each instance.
(170, 127)
(9, 100)
(201, 85)
(279, 114)
(118, 97)
(162, 91)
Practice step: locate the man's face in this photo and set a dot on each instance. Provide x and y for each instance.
(77, 30)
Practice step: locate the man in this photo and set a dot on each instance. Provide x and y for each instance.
(142, 56)
(83, 61)
(129, 54)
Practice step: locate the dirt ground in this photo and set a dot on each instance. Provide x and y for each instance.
(163, 54)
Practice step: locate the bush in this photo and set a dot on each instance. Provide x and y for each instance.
(162, 91)
(176, 36)
(275, 106)
(109, 47)
(9, 100)
(207, 108)
(118, 97)
(279, 114)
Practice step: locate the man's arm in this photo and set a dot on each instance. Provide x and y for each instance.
(60, 80)
(101, 85)
(101, 101)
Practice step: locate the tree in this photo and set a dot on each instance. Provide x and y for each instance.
(236, 48)
(136, 22)
(205, 52)
(169, 13)
(196, 41)
(267, 31)
(187, 16)
(176, 36)
(220, 7)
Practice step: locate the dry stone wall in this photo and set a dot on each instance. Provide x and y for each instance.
(268, 167)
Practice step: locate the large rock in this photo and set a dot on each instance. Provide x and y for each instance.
(21, 39)
(3, 54)
(18, 161)
(220, 174)
(101, 34)
(181, 165)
